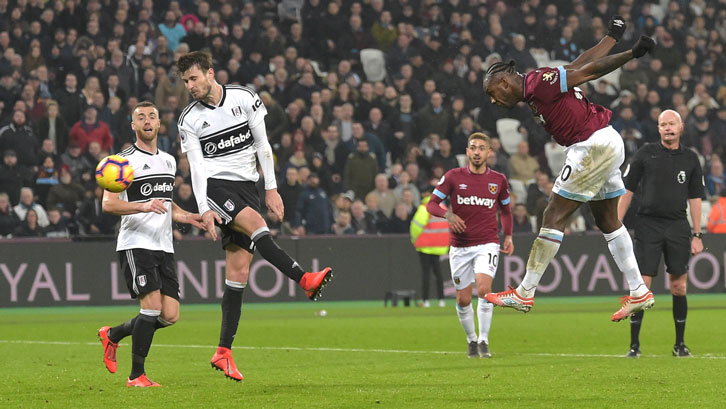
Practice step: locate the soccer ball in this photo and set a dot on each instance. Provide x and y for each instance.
(114, 173)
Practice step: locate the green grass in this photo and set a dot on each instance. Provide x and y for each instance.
(564, 354)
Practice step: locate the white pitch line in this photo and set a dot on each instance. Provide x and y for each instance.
(324, 349)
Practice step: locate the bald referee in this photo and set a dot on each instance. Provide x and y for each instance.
(669, 176)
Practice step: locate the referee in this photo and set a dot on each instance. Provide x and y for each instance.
(668, 175)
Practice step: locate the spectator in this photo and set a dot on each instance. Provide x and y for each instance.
(716, 178)
(313, 213)
(27, 202)
(172, 30)
(522, 166)
(521, 219)
(57, 225)
(13, 176)
(290, 190)
(343, 225)
(8, 219)
(70, 99)
(386, 198)
(66, 195)
(20, 137)
(54, 127)
(434, 118)
(92, 220)
(46, 177)
(360, 170)
(361, 221)
(400, 220)
(29, 226)
(90, 129)
(184, 198)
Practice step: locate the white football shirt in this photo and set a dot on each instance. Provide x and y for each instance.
(153, 179)
(223, 133)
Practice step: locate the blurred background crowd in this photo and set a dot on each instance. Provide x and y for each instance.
(369, 102)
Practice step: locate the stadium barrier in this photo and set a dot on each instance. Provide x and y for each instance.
(51, 273)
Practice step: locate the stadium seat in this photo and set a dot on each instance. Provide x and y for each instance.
(461, 158)
(374, 64)
(555, 154)
(519, 189)
(509, 135)
(541, 57)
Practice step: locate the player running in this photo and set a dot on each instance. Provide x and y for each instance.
(144, 244)
(476, 192)
(223, 133)
(592, 166)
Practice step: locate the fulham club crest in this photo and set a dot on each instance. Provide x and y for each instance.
(229, 205)
(142, 280)
(493, 188)
(237, 111)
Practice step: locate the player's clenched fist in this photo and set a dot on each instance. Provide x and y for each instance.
(643, 46)
(616, 27)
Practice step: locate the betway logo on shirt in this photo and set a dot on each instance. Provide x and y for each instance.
(476, 201)
(227, 141)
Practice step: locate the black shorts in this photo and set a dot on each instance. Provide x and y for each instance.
(228, 198)
(149, 270)
(671, 238)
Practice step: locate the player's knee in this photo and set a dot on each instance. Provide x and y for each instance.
(166, 321)
(463, 302)
(678, 290)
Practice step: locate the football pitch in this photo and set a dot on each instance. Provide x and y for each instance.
(564, 354)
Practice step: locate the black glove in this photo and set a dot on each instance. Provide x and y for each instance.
(616, 27)
(643, 46)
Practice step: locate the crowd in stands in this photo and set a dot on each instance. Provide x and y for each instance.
(369, 102)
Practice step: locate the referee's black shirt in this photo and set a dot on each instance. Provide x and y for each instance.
(667, 179)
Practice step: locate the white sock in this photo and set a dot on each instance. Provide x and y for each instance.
(544, 248)
(466, 317)
(621, 247)
(484, 312)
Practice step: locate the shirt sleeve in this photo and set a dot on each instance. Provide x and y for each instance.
(634, 171)
(188, 136)
(697, 183)
(504, 197)
(545, 84)
(443, 188)
(254, 108)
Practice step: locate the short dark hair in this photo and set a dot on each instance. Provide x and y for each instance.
(201, 59)
(144, 104)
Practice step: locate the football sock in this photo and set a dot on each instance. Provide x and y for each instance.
(680, 310)
(466, 317)
(544, 248)
(124, 330)
(636, 320)
(621, 247)
(231, 312)
(484, 312)
(141, 340)
(275, 255)
(117, 333)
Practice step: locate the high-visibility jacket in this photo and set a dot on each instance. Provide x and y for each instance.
(717, 218)
(429, 234)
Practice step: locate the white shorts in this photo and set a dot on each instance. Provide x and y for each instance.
(465, 262)
(592, 168)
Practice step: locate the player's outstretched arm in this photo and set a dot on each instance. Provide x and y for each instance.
(616, 28)
(598, 68)
(199, 187)
(180, 215)
(113, 205)
(267, 164)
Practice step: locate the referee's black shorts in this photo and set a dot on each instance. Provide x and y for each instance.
(228, 198)
(671, 238)
(149, 270)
